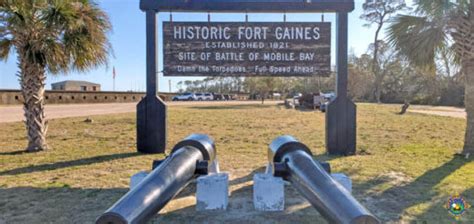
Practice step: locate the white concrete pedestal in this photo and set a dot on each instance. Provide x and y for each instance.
(268, 192)
(212, 192)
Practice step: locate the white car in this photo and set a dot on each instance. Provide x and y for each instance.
(208, 96)
(329, 96)
(204, 96)
(185, 97)
(199, 96)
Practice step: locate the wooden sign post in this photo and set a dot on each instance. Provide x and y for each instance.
(230, 49)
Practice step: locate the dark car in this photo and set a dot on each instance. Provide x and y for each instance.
(218, 96)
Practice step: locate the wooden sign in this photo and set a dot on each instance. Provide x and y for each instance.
(247, 49)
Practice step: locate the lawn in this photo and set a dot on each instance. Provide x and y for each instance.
(404, 171)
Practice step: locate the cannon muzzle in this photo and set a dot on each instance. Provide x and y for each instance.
(188, 159)
(293, 161)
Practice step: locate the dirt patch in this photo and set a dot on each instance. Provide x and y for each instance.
(396, 178)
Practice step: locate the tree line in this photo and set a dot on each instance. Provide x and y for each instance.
(401, 82)
(385, 72)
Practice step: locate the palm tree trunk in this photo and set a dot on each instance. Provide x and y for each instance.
(32, 81)
(468, 69)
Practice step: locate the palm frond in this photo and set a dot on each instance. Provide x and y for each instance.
(58, 14)
(56, 59)
(77, 36)
(418, 38)
(5, 47)
(59, 34)
(85, 40)
(440, 8)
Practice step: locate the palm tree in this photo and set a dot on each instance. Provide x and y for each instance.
(50, 36)
(438, 26)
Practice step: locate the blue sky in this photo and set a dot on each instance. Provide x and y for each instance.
(128, 42)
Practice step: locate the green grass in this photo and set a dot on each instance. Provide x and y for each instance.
(404, 172)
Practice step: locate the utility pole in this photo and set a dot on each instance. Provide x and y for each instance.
(169, 83)
(113, 76)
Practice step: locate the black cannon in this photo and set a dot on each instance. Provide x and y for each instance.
(293, 162)
(188, 159)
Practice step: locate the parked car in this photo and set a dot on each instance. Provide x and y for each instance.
(276, 96)
(185, 97)
(324, 107)
(297, 96)
(218, 96)
(307, 101)
(199, 96)
(329, 96)
(227, 97)
(208, 96)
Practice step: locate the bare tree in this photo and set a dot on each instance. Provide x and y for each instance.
(379, 12)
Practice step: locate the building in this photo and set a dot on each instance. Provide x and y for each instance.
(71, 85)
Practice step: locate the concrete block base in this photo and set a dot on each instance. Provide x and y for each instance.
(268, 192)
(212, 192)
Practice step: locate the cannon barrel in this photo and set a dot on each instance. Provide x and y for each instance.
(293, 161)
(188, 159)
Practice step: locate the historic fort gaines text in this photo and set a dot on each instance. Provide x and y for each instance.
(246, 49)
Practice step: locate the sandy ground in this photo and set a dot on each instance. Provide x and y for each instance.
(440, 111)
(15, 113)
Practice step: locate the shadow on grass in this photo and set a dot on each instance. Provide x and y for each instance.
(248, 177)
(14, 153)
(326, 157)
(394, 201)
(65, 164)
(191, 188)
(55, 205)
(232, 107)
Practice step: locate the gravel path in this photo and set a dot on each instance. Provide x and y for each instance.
(440, 111)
